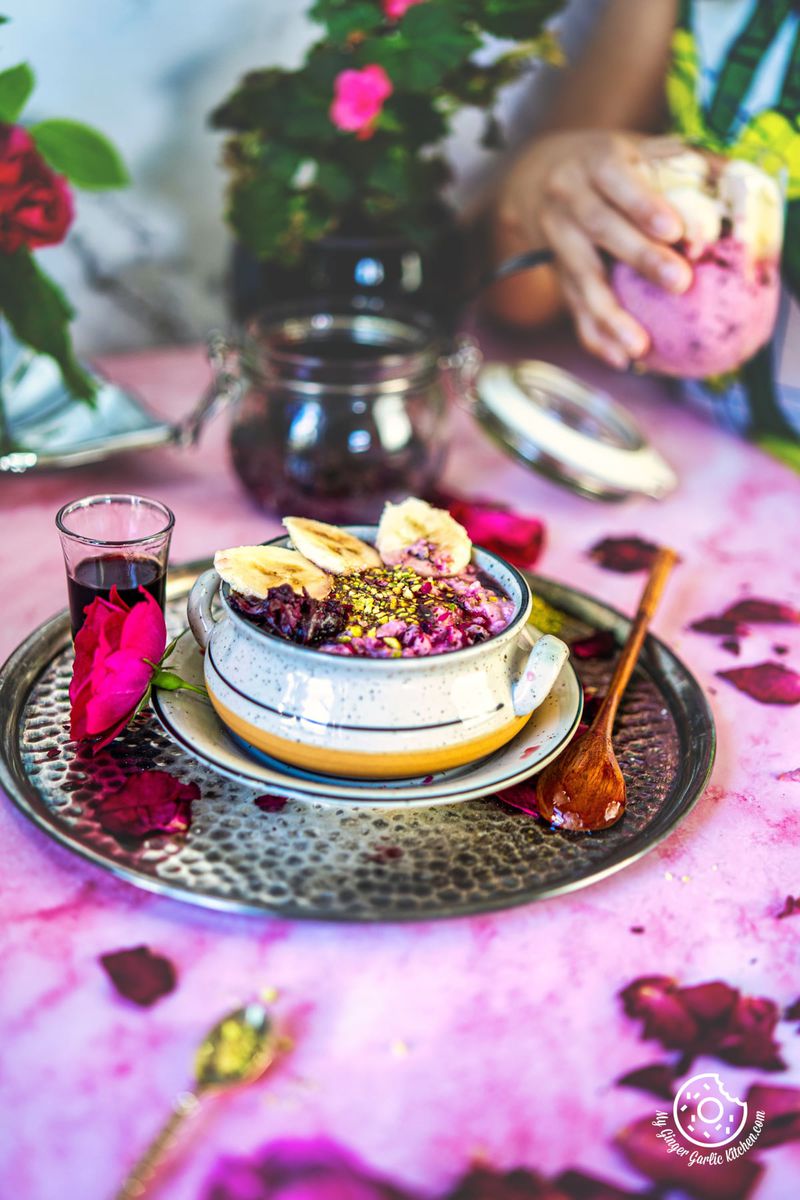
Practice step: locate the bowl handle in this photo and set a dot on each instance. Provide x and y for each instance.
(541, 670)
(198, 606)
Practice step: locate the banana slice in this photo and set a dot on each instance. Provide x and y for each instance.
(414, 534)
(255, 570)
(330, 548)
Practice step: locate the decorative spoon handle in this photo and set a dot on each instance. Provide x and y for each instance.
(662, 565)
(143, 1170)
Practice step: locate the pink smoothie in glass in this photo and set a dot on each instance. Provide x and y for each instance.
(727, 314)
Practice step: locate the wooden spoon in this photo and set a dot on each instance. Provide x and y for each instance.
(583, 789)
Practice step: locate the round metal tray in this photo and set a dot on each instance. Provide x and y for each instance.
(318, 861)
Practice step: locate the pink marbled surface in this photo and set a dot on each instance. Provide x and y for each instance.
(417, 1046)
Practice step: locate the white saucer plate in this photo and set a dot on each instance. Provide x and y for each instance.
(192, 722)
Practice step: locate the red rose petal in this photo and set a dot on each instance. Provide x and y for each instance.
(709, 1002)
(303, 1169)
(515, 537)
(793, 1011)
(649, 1154)
(624, 554)
(721, 625)
(270, 804)
(482, 1183)
(791, 776)
(139, 975)
(658, 1079)
(521, 796)
(579, 1186)
(782, 1108)
(601, 644)
(767, 682)
(148, 802)
(764, 612)
(732, 645)
(791, 906)
(654, 1000)
(747, 1039)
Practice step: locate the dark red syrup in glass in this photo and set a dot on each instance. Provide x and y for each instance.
(96, 576)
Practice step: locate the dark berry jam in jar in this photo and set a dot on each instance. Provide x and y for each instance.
(342, 407)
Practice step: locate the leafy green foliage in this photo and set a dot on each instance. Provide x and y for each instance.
(85, 156)
(16, 85)
(39, 314)
(295, 176)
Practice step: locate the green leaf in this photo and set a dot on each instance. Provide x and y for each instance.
(428, 42)
(343, 17)
(39, 314)
(85, 156)
(16, 85)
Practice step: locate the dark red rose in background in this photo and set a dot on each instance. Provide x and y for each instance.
(35, 203)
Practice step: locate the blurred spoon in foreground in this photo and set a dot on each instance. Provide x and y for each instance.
(583, 789)
(239, 1049)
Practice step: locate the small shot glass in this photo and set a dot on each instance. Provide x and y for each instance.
(117, 541)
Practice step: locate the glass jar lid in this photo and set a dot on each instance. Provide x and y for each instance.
(572, 433)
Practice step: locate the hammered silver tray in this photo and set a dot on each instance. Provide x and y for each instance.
(318, 861)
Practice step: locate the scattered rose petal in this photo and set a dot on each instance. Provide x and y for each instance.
(270, 804)
(148, 802)
(782, 1108)
(767, 682)
(658, 1079)
(793, 1011)
(515, 537)
(384, 854)
(139, 975)
(529, 750)
(654, 1000)
(601, 644)
(650, 1154)
(710, 1018)
(579, 1186)
(624, 554)
(482, 1183)
(779, 648)
(721, 625)
(295, 1169)
(762, 612)
(791, 776)
(521, 796)
(732, 645)
(791, 906)
(637, 928)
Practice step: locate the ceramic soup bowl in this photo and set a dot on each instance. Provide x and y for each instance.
(374, 718)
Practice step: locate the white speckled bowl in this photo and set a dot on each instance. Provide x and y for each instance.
(374, 718)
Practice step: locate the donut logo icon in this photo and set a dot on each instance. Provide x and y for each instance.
(705, 1114)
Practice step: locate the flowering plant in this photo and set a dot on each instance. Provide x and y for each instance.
(120, 652)
(349, 142)
(37, 165)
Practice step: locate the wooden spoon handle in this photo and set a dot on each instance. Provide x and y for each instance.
(662, 565)
(141, 1173)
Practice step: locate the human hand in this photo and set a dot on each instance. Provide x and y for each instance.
(582, 194)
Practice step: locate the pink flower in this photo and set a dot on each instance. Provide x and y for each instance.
(35, 203)
(150, 802)
(393, 10)
(115, 652)
(139, 975)
(358, 99)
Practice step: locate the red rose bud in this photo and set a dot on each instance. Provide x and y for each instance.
(35, 203)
